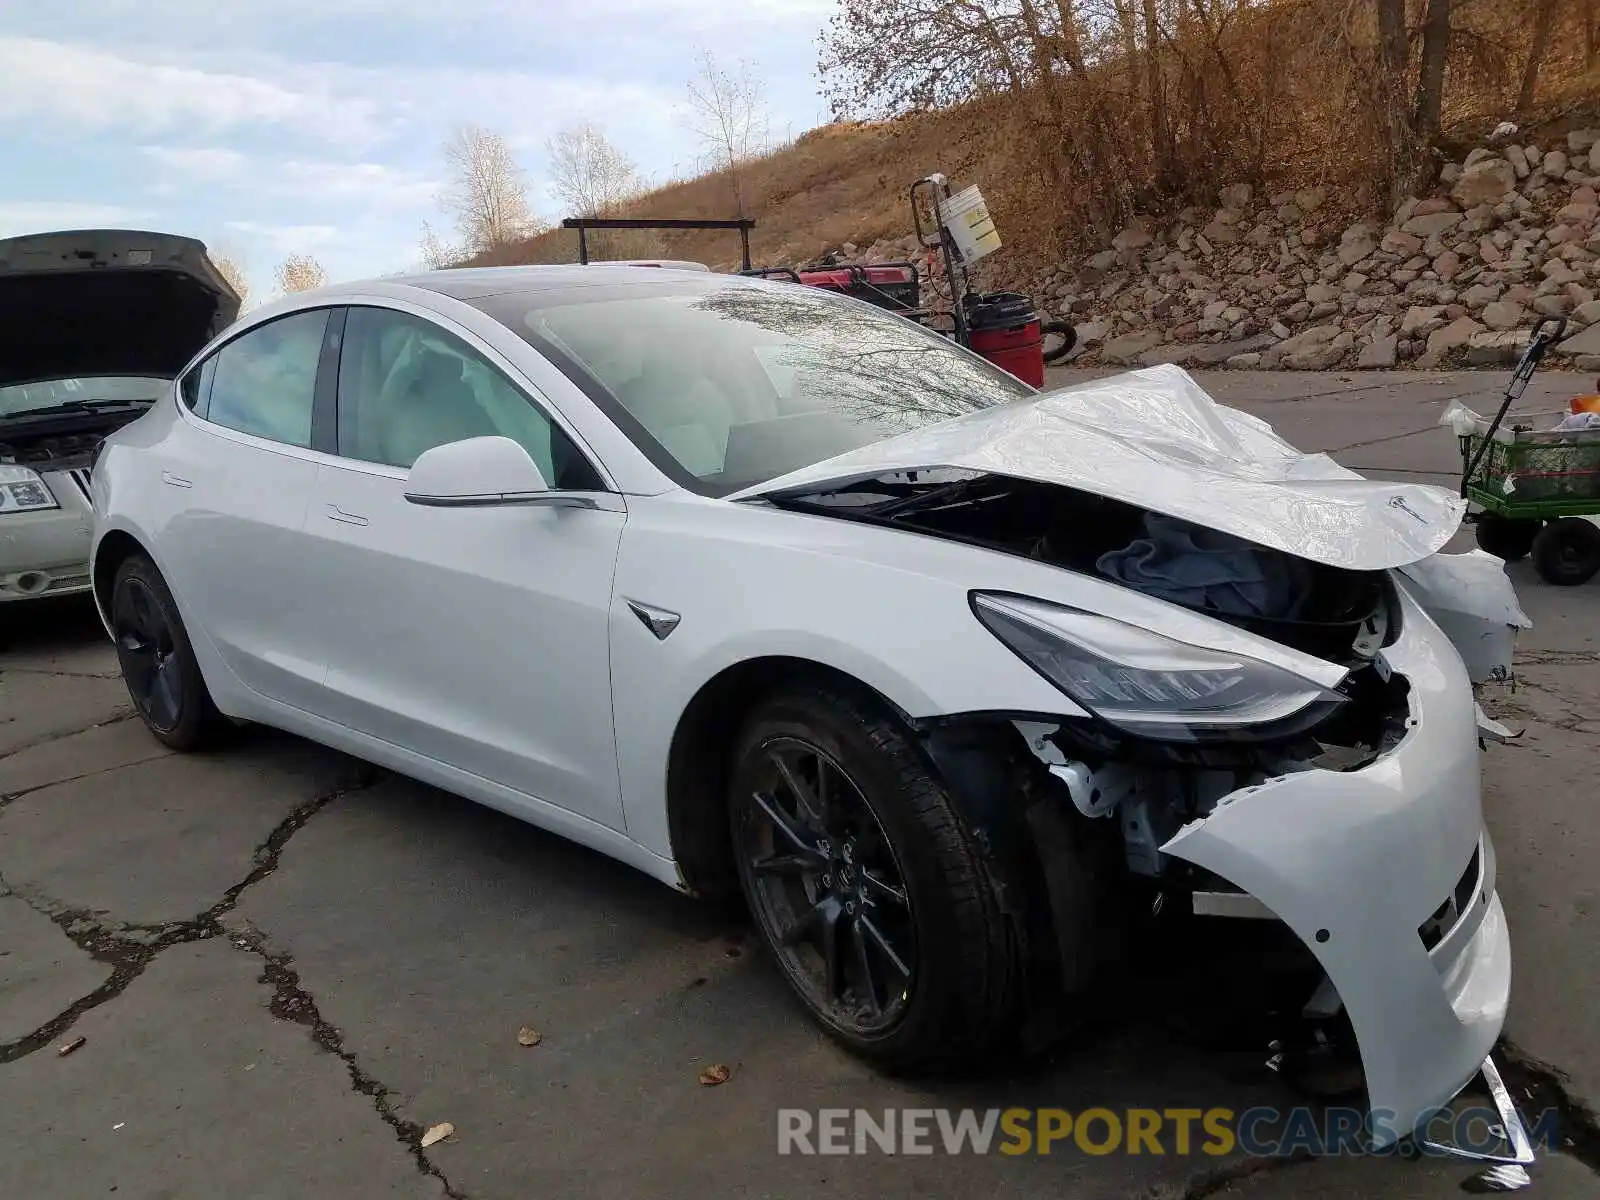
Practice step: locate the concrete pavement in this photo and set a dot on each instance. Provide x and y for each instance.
(286, 966)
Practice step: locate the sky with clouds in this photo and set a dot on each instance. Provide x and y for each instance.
(267, 127)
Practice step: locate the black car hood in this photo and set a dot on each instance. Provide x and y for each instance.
(106, 302)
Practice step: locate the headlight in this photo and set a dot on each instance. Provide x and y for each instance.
(21, 490)
(1147, 684)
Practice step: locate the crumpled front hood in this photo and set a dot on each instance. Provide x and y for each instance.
(1155, 439)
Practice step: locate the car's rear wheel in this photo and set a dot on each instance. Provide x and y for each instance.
(864, 883)
(157, 658)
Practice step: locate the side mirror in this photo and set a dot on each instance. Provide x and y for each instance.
(482, 472)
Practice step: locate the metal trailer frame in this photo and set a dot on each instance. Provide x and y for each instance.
(583, 224)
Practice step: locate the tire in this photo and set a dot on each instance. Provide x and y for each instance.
(157, 659)
(892, 829)
(1567, 552)
(1509, 538)
(1069, 339)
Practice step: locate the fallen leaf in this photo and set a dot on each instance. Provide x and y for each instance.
(529, 1036)
(437, 1133)
(67, 1048)
(714, 1074)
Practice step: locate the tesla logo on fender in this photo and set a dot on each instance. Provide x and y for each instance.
(1400, 503)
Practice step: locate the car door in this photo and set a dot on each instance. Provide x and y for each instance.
(477, 637)
(238, 477)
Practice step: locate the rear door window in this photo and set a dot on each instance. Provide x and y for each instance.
(264, 382)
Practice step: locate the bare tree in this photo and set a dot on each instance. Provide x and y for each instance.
(233, 271)
(488, 195)
(1544, 16)
(594, 178)
(300, 273)
(436, 254)
(884, 58)
(1430, 79)
(1392, 47)
(590, 174)
(728, 113)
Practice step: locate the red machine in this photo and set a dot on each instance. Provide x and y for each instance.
(1003, 327)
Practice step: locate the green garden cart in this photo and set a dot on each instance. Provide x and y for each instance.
(1532, 491)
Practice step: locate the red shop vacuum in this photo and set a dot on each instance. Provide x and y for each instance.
(1002, 327)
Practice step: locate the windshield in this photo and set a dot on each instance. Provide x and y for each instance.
(54, 393)
(727, 384)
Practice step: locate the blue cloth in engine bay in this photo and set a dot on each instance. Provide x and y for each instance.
(1204, 569)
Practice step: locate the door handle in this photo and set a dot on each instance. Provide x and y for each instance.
(335, 513)
(167, 477)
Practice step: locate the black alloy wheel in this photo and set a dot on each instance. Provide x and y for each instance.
(865, 881)
(826, 887)
(157, 660)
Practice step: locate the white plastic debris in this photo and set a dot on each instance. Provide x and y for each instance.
(1471, 598)
(1491, 730)
(1577, 422)
(1461, 419)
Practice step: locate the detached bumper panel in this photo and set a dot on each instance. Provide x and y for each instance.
(1388, 875)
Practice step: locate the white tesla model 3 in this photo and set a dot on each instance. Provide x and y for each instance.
(756, 587)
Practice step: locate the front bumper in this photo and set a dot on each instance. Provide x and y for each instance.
(1387, 874)
(46, 553)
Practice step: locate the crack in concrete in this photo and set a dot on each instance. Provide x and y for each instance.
(1558, 657)
(291, 1002)
(1571, 723)
(1399, 470)
(60, 674)
(1578, 719)
(157, 752)
(1383, 385)
(130, 949)
(66, 733)
(1222, 1178)
(1536, 1086)
(1393, 437)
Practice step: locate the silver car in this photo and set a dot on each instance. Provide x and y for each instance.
(94, 325)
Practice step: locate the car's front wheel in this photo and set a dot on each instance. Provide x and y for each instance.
(157, 658)
(864, 882)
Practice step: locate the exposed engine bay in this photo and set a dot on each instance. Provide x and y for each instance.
(67, 441)
(1154, 787)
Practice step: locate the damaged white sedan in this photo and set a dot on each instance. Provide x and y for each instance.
(756, 587)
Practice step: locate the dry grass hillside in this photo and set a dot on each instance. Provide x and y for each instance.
(844, 182)
(1079, 116)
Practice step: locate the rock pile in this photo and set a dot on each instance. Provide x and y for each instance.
(1457, 277)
